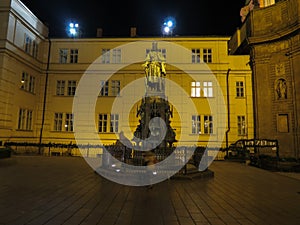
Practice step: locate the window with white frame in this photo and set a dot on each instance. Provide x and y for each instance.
(195, 89)
(102, 123)
(71, 87)
(31, 87)
(73, 55)
(196, 124)
(116, 55)
(25, 119)
(239, 89)
(105, 56)
(60, 87)
(207, 55)
(196, 55)
(201, 89)
(69, 122)
(28, 82)
(114, 123)
(63, 55)
(29, 120)
(207, 89)
(22, 119)
(104, 88)
(58, 120)
(208, 124)
(25, 81)
(63, 122)
(28, 44)
(241, 125)
(115, 87)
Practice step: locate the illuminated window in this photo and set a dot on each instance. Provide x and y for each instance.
(195, 55)
(207, 89)
(195, 89)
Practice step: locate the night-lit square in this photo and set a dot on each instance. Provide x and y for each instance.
(159, 113)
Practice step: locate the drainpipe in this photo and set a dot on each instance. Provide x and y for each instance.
(45, 97)
(228, 110)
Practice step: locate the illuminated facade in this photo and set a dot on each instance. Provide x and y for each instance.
(271, 36)
(39, 77)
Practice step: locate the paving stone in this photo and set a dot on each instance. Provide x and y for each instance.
(65, 190)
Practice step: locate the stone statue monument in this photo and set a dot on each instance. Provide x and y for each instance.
(154, 103)
(155, 70)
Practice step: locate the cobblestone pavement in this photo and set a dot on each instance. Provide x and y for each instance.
(65, 190)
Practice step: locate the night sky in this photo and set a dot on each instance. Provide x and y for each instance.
(193, 17)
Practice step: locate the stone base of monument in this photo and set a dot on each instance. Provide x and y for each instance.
(192, 172)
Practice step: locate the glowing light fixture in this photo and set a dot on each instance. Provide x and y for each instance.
(168, 26)
(73, 29)
(166, 30)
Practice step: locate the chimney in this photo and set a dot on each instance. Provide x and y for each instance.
(99, 32)
(133, 32)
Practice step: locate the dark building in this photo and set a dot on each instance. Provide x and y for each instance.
(271, 35)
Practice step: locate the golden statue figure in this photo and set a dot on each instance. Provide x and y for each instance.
(155, 69)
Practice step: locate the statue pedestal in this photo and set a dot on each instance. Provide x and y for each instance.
(154, 107)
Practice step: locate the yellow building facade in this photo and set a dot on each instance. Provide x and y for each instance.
(42, 78)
